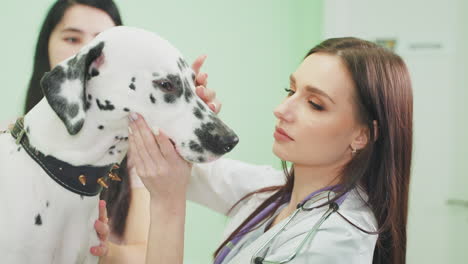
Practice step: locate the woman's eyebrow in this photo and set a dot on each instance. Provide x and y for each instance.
(312, 89)
(72, 29)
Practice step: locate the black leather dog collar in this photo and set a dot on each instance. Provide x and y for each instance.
(84, 180)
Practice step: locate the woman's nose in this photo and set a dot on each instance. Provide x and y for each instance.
(283, 111)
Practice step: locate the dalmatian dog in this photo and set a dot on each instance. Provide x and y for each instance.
(54, 161)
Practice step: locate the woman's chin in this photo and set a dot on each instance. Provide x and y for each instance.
(280, 152)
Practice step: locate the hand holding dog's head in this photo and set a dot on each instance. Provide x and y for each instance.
(131, 70)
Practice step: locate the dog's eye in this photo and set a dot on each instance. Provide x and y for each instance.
(166, 86)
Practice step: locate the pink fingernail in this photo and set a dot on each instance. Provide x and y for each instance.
(213, 107)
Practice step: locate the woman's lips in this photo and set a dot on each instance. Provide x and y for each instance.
(281, 135)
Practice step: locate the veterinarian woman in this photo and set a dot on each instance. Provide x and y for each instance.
(68, 26)
(346, 128)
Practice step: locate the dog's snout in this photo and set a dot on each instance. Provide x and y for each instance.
(229, 143)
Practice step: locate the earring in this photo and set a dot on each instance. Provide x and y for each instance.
(353, 150)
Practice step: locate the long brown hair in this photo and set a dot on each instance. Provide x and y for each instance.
(383, 94)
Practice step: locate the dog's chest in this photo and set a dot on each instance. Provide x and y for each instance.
(41, 221)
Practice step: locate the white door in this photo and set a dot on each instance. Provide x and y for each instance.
(431, 36)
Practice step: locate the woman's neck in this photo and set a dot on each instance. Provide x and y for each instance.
(309, 179)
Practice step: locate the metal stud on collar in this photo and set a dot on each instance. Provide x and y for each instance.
(102, 182)
(82, 179)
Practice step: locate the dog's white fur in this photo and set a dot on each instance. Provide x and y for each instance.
(70, 132)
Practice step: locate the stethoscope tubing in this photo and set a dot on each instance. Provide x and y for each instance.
(259, 260)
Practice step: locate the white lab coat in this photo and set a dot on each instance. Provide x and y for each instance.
(218, 185)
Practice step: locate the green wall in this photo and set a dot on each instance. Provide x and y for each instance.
(252, 47)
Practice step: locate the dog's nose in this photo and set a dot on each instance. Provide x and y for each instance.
(229, 143)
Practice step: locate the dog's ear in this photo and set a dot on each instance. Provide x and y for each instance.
(65, 86)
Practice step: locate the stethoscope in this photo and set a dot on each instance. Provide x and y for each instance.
(305, 206)
(259, 257)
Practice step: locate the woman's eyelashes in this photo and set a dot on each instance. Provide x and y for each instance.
(289, 91)
(72, 40)
(314, 105)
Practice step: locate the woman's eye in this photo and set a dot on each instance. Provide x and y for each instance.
(316, 106)
(72, 40)
(289, 91)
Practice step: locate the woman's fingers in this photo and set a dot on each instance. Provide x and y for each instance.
(137, 163)
(201, 79)
(166, 146)
(103, 212)
(102, 230)
(100, 250)
(146, 135)
(143, 144)
(198, 63)
(209, 97)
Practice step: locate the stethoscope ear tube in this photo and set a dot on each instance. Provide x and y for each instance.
(260, 260)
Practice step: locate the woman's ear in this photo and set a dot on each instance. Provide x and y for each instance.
(360, 140)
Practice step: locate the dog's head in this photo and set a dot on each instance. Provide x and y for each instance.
(132, 70)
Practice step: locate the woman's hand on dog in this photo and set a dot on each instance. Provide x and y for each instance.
(162, 170)
(201, 81)
(209, 97)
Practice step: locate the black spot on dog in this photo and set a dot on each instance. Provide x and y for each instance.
(119, 151)
(155, 74)
(182, 64)
(38, 220)
(47, 204)
(132, 86)
(101, 127)
(153, 100)
(197, 112)
(215, 137)
(202, 107)
(125, 138)
(169, 98)
(188, 92)
(126, 109)
(19, 148)
(27, 130)
(195, 146)
(133, 79)
(113, 147)
(172, 87)
(183, 144)
(201, 159)
(73, 110)
(117, 137)
(111, 152)
(88, 102)
(82, 197)
(107, 107)
(94, 72)
(193, 76)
